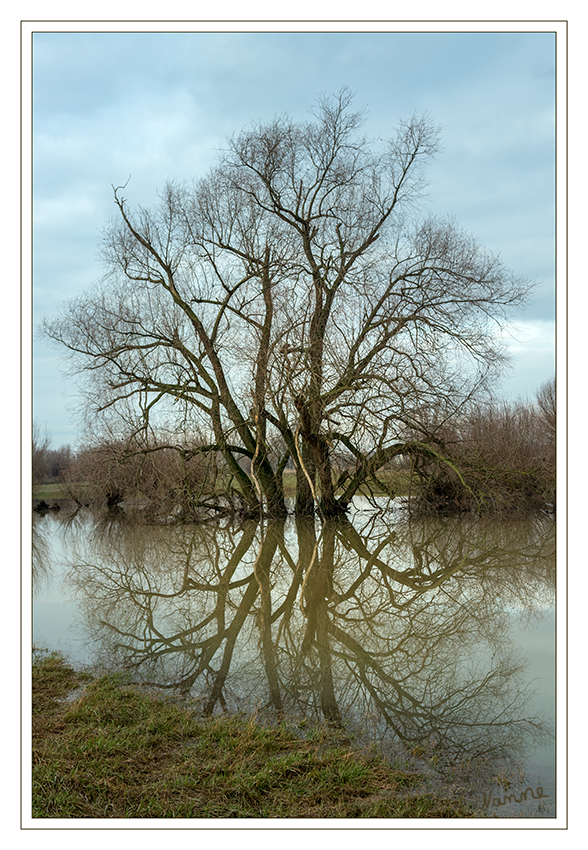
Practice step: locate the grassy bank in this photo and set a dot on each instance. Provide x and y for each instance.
(50, 491)
(105, 749)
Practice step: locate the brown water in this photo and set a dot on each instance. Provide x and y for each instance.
(432, 637)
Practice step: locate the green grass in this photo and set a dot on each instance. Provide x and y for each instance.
(50, 491)
(115, 751)
(400, 481)
(289, 479)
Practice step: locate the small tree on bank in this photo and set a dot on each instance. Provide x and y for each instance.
(293, 308)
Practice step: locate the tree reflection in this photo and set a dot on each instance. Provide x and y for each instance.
(341, 620)
(41, 565)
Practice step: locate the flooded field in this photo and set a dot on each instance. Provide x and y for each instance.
(434, 637)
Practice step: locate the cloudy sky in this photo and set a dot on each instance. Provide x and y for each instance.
(157, 105)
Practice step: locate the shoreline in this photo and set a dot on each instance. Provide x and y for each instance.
(93, 737)
(79, 718)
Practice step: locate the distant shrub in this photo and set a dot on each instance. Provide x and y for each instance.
(505, 455)
(161, 480)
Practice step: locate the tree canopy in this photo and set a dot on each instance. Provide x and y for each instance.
(293, 306)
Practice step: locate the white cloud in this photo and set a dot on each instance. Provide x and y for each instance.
(531, 345)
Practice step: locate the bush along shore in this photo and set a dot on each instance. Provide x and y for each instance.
(105, 748)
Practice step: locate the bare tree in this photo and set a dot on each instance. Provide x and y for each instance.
(546, 403)
(291, 306)
(40, 451)
(58, 461)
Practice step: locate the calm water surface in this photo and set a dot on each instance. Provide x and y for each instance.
(436, 634)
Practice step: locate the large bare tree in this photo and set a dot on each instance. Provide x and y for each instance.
(293, 306)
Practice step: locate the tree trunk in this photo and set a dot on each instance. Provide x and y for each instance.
(305, 505)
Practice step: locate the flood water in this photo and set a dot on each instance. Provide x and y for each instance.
(432, 637)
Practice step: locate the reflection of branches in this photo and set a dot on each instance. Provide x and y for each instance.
(40, 551)
(334, 621)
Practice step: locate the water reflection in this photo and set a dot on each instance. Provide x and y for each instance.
(41, 552)
(402, 625)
